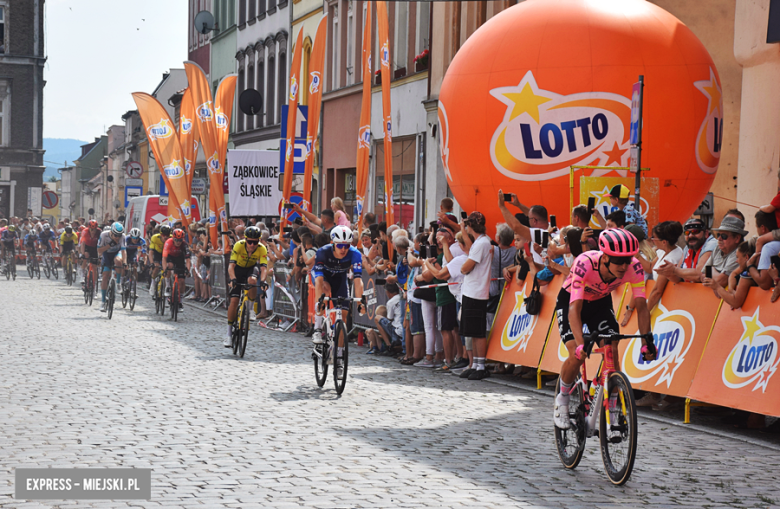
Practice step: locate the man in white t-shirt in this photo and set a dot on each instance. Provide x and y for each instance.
(475, 292)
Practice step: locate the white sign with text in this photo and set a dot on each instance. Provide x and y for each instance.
(253, 180)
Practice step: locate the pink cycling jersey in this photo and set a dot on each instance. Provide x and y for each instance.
(585, 283)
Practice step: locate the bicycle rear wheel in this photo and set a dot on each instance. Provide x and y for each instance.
(54, 269)
(243, 330)
(571, 442)
(110, 298)
(618, 445)
(340, 360)
(46, 271)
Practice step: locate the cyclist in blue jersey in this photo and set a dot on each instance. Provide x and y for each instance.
(331, 266)
(133, 243)
(112, 248)
(45, 238)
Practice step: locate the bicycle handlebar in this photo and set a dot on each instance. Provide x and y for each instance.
(592, 338)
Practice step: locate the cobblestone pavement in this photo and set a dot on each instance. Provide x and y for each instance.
(139, 391)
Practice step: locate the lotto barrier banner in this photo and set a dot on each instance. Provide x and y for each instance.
(741, 358)
(681, 324)
(517, 337)
(555, 351)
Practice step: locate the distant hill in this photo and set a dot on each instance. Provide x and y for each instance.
(59, 150)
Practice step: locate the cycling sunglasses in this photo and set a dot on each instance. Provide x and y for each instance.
(343, 246)
(252, 241)
(620, 260)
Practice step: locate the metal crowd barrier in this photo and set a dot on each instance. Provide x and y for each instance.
(286, 310)
(218, 281)
(375, 296)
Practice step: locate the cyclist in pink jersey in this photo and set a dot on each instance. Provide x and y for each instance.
(585, 299)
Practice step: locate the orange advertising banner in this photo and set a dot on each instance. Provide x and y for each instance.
(384, 60)
(555, 351)
(517, 337)
(162, 136)
(738, 368)
(223, 110)
(316, 68)
(364, 131)
(188, 136)
(207, 127)
(681, 323)
(292, 113)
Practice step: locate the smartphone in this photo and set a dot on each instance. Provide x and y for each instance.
(591, 203)
(775, 260)
(507, 196)
(287, 206)
(538, 237)
(433, 251)
(287, 229)
(380, 281)
(545, 239)
(463, 214)
(708, 271)
(553, 222)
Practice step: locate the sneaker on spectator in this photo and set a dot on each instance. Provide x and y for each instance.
(460, 363)
(425, 363)
(467, 372)
(371, 351)
(479, 374)
(445, 367)
(438, 364)
(191, 297)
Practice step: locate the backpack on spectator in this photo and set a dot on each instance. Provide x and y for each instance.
(533, 303)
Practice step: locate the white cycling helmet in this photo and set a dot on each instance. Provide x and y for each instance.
(341, 235)
(135, 233)
(117, 229)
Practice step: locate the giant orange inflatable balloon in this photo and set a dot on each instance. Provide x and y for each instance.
(545, 85)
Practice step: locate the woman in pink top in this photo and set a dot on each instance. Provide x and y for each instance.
(340, 216)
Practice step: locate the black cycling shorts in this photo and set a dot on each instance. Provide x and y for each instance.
(179, 265)
(157, 257)
(91, 252)
(597, 315)
(242, 275)
(67, 248)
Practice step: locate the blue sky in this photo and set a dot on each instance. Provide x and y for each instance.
(99, 52)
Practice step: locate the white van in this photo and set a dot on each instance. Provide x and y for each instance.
(143, 209)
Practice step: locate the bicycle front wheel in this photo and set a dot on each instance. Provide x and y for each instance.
(54, 270)
(90, 288)
(46, 271)
(320, 363)
(571, 442)
(110, 299)
(340, 360)
(618, 443)
(243, 330)
(175, 302)
(133, 295)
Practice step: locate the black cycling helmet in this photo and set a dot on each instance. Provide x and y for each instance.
(253, 232)
(68, 229)
(165, 230)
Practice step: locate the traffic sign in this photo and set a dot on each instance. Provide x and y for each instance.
(132, 192)
(299, 155)
(49, 199)
(198, 186)
(134, 169)
(134, 182)
(162, 200)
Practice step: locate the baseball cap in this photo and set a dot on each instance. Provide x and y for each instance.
(619, 191)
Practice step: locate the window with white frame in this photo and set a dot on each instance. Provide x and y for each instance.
(5, 113)
(401, 34)
(350, 45)
(423, 27)
(335, 58)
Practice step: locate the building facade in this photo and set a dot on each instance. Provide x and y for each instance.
(198, 45)
(261, 62)
(21, 104)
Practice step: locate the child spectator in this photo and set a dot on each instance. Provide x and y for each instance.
(619, 198)
(391, 326)
(616, 219)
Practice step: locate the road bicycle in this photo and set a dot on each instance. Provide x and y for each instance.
(335, 347)
(173, 284)
(90, 282)
(49, 266)
(158, 283)
(240, 331)
(67, 267)
(33, 267)
(129, 286)
(9, 268)
(615, 414)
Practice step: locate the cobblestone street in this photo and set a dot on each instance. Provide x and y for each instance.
(217, 431)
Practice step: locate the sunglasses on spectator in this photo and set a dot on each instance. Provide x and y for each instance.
(620, 260)
(724, 236)
(692, 232)
(252, 241)
(342, 246)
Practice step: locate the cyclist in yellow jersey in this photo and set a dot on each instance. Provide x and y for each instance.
(248, 255)
(156, 244)
(68, 241)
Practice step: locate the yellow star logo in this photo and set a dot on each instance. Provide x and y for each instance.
(711, 89)
(526, 102)
(752, 325)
